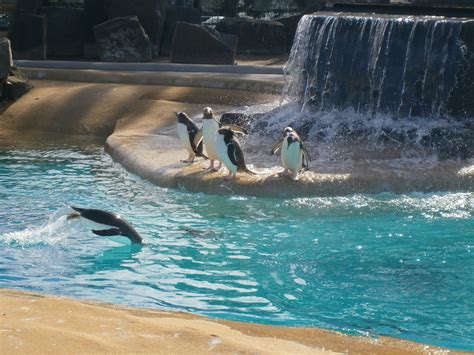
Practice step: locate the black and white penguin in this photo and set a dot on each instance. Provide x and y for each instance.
(190, 137)
(230, 153)
(116, 227)
(210, 126)
(294, 156)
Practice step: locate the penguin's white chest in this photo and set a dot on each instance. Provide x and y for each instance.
(223, 155)
(184, 138)
(209, 132)
(291, 156)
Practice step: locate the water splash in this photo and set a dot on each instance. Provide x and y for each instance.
(54, 231)
(403, 66)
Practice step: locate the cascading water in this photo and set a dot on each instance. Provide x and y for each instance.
(401, 84)
(403, 66)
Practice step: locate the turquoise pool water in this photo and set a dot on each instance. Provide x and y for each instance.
(398, 265)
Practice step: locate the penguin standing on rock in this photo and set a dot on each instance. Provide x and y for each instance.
(189, 137)
(294, 156)
(230, 153)
(210, 125)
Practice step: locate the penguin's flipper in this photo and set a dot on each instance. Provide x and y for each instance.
(276, 147)
(198, 138)
(236, 129)
(107, 232)
(308, 157)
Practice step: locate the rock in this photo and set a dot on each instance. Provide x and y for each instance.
(199, 45)
(66, 31)
(255, 36)
(290, 24)
(15, 87)
(6, 61)
(27, 34)
(122, 39)
(177, 14)
(151, 13)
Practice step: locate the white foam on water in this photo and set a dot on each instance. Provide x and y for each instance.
(54, 231)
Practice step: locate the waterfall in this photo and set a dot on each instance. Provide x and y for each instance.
(404, 66)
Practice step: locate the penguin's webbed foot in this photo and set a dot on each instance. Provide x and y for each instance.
(294, 176)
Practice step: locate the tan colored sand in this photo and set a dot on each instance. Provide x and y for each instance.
(31, 323)
(93, 109)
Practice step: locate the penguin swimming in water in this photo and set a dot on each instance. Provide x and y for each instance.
(294, 156)
(189, 136)
(114, 224)
(210, 126)
(230, 153)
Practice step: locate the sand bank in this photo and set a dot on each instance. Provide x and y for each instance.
(32, 323)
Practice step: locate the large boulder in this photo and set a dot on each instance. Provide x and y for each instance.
(255, 36)
(122, 39)
(27, 34)
(177, 14)
(6, 61)
(151, 13)
(66, 31)
(199, 45)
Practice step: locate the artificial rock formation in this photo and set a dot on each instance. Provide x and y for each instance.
(150, 13)
(255, 36)
(174, 15)
(123, 39)
(199, 45)
(13, 84)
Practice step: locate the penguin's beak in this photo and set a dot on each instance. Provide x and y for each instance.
(176, 113)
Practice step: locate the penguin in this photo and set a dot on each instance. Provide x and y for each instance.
(114, 224)
(294, 156)
(189, 136)
(230, 153)
(210, 126)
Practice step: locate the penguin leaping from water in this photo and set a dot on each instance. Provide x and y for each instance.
(230, 153)
(114, 224)
(190, 137)
(294, 156)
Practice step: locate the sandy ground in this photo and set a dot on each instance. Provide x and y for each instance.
(32, 324)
